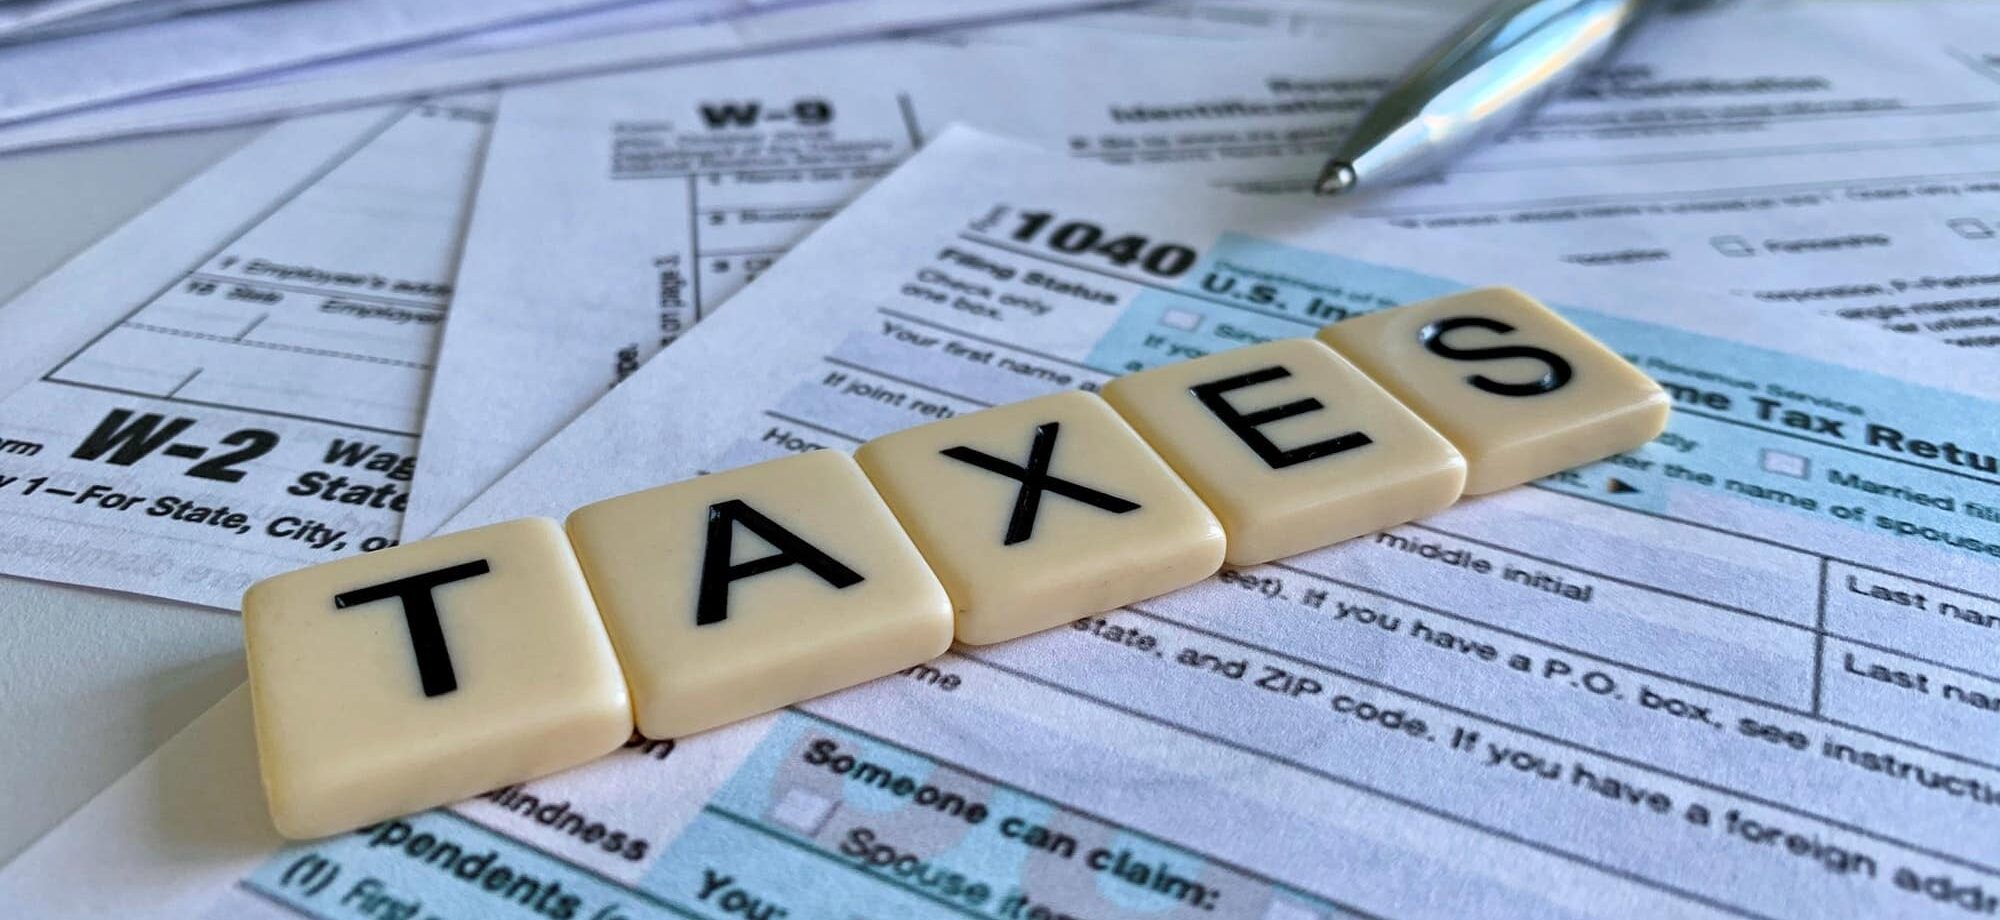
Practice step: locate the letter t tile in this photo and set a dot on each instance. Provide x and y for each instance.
(413, 676)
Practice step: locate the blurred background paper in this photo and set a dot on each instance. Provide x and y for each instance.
(42, 19)
(314, 55)
(62, 74)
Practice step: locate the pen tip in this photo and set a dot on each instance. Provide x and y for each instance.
(1337, 177)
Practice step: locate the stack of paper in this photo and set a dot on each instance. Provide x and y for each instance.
(1744, 671)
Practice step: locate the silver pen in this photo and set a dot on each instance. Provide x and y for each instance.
(1495, 69)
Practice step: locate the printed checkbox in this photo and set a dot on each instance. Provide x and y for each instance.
(802, 810)
(1282, 909)
(1786, 464)
(1733, 246)
(1972, 228)
(1184, 320)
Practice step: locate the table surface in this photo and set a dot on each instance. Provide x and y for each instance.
(92, 681)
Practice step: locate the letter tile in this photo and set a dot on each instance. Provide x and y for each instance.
(741, 592)
(1293, 447)
(1519, 390)
(1038, 512)
(418, 675)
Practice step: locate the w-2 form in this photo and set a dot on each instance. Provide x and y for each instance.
(1744, 671)
(232, 385)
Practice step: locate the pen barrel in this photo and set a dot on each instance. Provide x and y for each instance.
(1482, 80)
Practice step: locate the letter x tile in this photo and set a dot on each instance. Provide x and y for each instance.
(414, 676)
(1038, 512)
(737, 593)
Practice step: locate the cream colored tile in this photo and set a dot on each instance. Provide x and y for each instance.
(1039, 512)
(414, 676)
(741, 592)
(1293, 447)
(1519, 390)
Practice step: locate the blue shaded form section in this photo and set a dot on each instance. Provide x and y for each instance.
(1776, 431)
(438, 864)
(1897, 460)
(1247, 290)
(829, 821)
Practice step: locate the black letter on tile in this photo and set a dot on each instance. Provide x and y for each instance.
(1558, 374)
(1035, 479)
(1245, 424)
(420, 615)
(712, 597)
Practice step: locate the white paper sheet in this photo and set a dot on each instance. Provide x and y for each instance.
(247, 401)
(46, 77)
(36, 20)
(1837, 157)
(1693, 724)
(29, 13)
(657, 220)
(1253, 19)
(1842, 160)
(232, 384)
(615, 214)
(617, 19)
(720, 27)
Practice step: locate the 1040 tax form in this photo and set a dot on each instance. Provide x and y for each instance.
(1744, 671)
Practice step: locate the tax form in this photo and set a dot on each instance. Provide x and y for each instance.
(1743, 671)
(250, 403)
(232, 385)
(614, 215)
(1841, 162)
(669, 195)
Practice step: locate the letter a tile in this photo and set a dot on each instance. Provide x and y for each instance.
(1038, 512)
(1292, 446)
(414, 676)
(1520, 391)
(741, 592)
